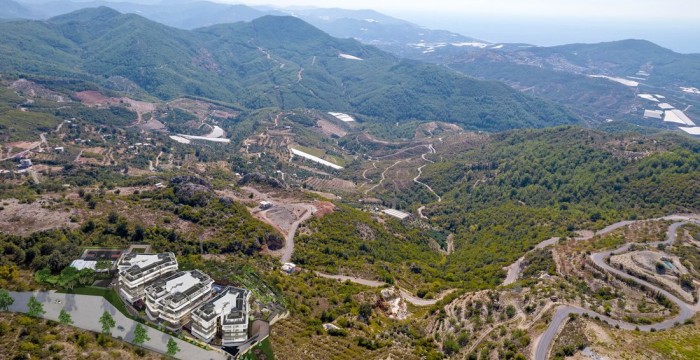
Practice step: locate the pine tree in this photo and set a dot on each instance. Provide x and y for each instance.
(5, 300)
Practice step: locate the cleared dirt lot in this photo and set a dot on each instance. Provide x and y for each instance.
(201, 109)
(24, 219)
(328, 128)
(282, 216)
(33, 89)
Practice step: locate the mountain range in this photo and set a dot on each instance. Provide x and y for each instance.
(368, 26)
(269, 62)
(559, 74)
(570, 74)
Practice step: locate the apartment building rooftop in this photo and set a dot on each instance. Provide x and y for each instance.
(231, 303)
(225, 314)
(134, 266)
(179, 287)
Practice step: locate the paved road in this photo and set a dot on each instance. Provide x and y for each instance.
(514, 269)
(686, 311)
(85, 311)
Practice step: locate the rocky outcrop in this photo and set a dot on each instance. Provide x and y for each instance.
(262, 179)
(192, 190)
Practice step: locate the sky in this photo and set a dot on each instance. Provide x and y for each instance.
(674, 24)
(613, 9)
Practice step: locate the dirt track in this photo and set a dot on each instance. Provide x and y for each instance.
(288, 249)
(374, 283)
(285, 215)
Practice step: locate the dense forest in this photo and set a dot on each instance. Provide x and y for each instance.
(505, 196)
(527, 186)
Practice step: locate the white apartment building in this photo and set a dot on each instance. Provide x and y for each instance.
(171, 299)
(227, 314)
(137, 271)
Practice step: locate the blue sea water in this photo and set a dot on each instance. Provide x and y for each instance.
(680, 36)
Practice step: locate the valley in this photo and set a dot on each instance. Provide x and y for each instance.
(330, 221)
(365, 205)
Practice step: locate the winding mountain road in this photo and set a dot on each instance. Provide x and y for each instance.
(374, 283)
(415, 179)
(383, 177)
(431, 150)
(686, 311)
(515, 268)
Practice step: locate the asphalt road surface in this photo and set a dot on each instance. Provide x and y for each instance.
(686, 311)
(86, 310)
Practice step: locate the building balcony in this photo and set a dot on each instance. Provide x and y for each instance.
(206, 336)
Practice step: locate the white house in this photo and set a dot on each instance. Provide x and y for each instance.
(25, 163)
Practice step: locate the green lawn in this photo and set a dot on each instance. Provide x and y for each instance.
(266, 349)
(108, 294)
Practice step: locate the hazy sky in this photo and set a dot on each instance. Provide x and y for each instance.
(674, 24)
(619, 9)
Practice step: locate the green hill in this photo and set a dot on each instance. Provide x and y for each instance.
(626, 57)
(271, 61)
(13, 10)
(561, 74)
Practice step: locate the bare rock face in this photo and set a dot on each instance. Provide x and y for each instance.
(226, 201)
(395, 305)
(192, 190)
(274, 241)
(390, 294)
(262, 179)
(122, 84)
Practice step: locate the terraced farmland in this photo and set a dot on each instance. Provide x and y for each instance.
(331, 185)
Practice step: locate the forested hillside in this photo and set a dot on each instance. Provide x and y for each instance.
(527, 186)
(502, 197)
(271, 61)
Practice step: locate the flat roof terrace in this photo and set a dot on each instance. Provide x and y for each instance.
(136, 265)
(179, 286)
(102, 254)
(231, 303)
